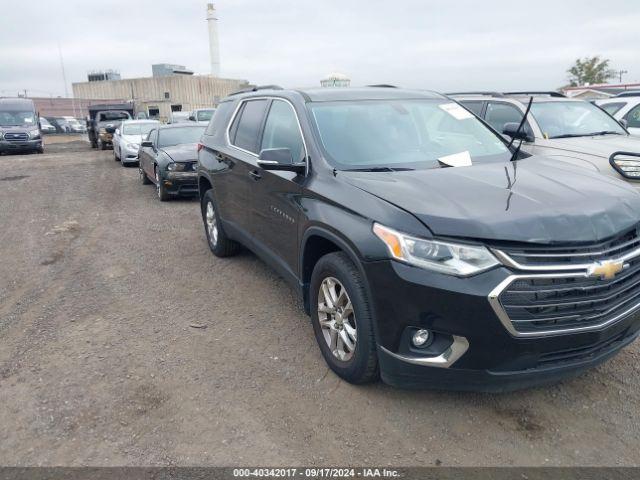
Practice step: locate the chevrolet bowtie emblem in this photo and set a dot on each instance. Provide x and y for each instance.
(606, 270)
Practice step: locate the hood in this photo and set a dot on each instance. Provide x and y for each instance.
(534, 200)
(19, 128)
(132, 138)
(187, 152)
(600, 145)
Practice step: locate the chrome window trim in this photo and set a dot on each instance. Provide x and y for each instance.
(494, 301)
(452, 354)
(266, 97)
(510, 262)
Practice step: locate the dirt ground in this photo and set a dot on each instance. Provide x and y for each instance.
(99, 365)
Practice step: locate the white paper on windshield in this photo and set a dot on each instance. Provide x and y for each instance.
(456, 111)
(462, 159)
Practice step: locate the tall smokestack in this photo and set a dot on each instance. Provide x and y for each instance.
(214, 48)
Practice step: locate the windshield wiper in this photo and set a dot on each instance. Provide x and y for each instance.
(380, 169)
(604, 132)
(592, 134)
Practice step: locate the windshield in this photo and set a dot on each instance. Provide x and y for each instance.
(114, 116)
(403, 134)
(177, 136)
(17, 118)
(573, 119)
(205, 115)
(138, 128)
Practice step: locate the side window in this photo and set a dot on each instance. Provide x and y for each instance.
(612, 108)
(633, 117)
(248, 127)
(475, 107)
(281, 130)
(499, 113)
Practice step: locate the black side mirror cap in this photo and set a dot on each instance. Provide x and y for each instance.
(511, 130)
(192, 118)
(146, 143)
(280, 159)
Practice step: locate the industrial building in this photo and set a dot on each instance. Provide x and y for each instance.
(171, 88)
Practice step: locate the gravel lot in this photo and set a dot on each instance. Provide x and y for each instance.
(99, 364)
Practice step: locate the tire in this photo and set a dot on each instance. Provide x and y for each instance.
(40, 150)
(102, 145)
(143, 176)
(161, 190)
(359, 364)
(219, 243)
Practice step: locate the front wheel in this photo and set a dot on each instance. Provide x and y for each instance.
(102, 145)
(342, 319)
(219, 243)
(161, 190)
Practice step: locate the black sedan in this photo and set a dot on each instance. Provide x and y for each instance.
(168, 157)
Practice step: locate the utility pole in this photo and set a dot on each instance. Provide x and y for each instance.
(620, 73)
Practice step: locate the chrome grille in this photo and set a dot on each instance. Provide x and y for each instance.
(16, 136)
(559, 256)
(567, 297)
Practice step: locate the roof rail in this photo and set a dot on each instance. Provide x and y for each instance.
(550, 93)
(255, 88)
(629, 93)
(483, 93)
(382, 85)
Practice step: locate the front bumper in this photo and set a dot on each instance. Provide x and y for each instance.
(129, 155)
(20, 146)
(181, 183)
(485, 357)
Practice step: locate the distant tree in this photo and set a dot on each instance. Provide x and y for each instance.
(590, 70)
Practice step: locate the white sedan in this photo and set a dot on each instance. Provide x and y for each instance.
(127, 139)
(624, 108)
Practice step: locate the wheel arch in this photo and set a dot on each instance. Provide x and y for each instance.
(317, 242)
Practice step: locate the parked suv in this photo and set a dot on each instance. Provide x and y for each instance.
(19, 126)
(624, 109)
(561, 128)
(422, 252)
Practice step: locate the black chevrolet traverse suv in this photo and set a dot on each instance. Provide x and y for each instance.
(426, 250)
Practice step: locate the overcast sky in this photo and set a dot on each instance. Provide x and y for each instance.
(442, 45)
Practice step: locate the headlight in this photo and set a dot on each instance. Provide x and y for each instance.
(627, 164)
(33, 134)
(444, 257)
(181, 167)
(133, 146)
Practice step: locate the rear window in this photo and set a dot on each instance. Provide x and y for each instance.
(248, 125)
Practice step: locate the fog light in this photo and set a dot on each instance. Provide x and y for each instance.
(420, 337)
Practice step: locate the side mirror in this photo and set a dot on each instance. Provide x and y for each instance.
(146, 144)
(192, 118)
(511, 130)
(624, 123)
(279, 159)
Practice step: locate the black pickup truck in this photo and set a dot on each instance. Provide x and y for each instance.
(103, 120)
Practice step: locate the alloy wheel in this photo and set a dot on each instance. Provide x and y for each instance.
(212, 224)
(337, 318)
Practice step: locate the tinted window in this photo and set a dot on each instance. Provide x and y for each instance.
(500, 113)
(246, 137)
(475, 107)
(612, 108)
(633, 117)
(168, 137)
(281, 130)
(220, 117)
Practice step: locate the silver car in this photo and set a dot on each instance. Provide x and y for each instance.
(563, 128)
(127, 139)
(625, 109)
(202, 115)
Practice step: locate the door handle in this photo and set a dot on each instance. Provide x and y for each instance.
(255, 175)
